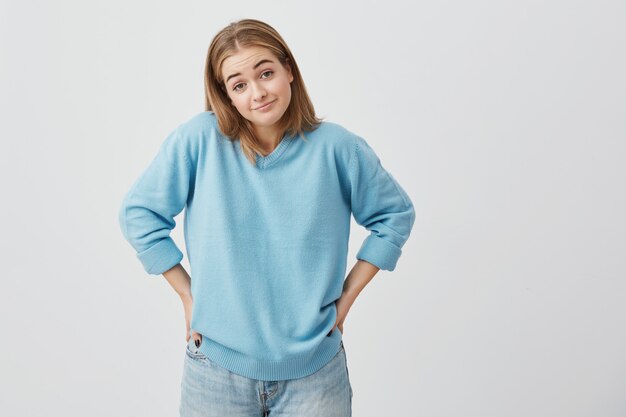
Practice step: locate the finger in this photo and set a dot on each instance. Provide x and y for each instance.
(197, 339)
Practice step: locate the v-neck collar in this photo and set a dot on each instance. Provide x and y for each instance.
(266, 161)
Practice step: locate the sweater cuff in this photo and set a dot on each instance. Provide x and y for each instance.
(160, 257)
(379, 252)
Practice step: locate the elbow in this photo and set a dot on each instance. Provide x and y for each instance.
(121, 219)
(405, 219)
(411, 211)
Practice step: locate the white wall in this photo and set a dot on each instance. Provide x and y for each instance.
(503, 120)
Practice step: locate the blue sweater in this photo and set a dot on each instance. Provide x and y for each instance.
(267, 244)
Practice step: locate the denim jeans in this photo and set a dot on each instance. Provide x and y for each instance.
(209, 390)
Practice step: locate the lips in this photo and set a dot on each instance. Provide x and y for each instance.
(264, 106)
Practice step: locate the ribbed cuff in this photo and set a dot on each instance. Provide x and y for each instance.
(379, 252)
(160, 257)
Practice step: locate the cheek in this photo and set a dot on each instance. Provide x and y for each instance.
(239, 103)
(287, 91)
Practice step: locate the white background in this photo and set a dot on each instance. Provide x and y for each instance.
(505, 121)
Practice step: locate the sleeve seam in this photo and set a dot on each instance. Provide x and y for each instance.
(353, 156)
(388, 174)
(393, 181)
(184, 150)
(178, 143)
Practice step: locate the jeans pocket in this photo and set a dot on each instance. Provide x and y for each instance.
(194, 351)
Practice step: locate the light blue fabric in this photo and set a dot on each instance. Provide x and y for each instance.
(267, 244)
(207, 390)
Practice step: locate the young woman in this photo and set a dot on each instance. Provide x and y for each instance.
(269, 190)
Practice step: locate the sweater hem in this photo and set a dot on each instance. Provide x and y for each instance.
(268, 370)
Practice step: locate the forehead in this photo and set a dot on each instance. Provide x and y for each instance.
(245, 59)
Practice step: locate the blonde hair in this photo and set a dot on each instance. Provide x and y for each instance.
(299, 115)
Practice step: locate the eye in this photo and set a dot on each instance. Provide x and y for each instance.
(237, 85)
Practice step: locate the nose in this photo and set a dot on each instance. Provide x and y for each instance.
(259, 92)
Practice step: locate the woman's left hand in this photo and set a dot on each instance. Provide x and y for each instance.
(357, 279)
(343, 306)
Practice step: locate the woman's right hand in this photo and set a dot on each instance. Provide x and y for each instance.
(180, 280)
(188, 306)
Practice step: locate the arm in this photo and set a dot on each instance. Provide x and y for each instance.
(180, 281)
(147, 212)
(381, 206)
(361, 274)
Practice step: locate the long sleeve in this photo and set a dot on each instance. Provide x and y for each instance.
(381, 206)
(147, 213)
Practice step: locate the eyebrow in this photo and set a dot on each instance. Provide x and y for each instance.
(255, 67)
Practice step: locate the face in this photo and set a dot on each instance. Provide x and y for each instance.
(254, 78)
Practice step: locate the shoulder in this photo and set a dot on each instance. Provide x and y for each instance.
(347, 144)
(331, 132)
(189, 136)
(200, 124)
(337, 137)
(200, 127)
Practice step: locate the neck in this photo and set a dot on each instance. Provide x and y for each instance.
(268, 137)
